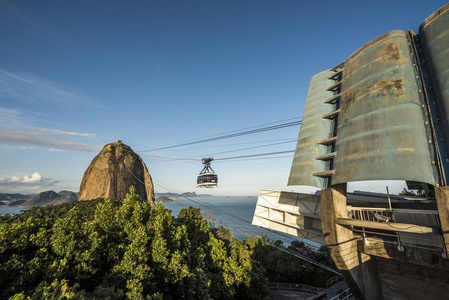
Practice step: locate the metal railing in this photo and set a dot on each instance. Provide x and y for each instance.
(334, 280)
(295, 287)
(346, 294)
(410, 216)
(429, 218)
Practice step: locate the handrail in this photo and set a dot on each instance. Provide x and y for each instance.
(334, 280)
(347, 293)
(294, 287)
(399, 210)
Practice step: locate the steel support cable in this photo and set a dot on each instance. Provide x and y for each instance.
(255, 155)
(206, 205)
(247, 143)
(229, 214)
(265, 158)
(134, 175)
(291, 252)
(202, 204)
(309, 260)
(247, 128)
(294, 253)
(228, 132)
(209, 155)
(170, 158)
(248, 148)
(274, 127)
(235, 157)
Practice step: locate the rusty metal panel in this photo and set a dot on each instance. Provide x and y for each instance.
(434, 36)
(313, 129)
(381, 130)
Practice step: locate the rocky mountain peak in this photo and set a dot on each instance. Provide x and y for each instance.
(113, 171)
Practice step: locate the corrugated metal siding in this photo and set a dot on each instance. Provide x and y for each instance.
(434, 35)
(313, 129)
(381, 131)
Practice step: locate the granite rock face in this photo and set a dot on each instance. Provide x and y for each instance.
(113, 171)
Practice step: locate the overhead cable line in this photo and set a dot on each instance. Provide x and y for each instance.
(248, 148)
(233, 131)
(294, 253)
(222, 211)
(254, 155)
(227, 136)
(191, 158)
(227, 215)
(228, 158)
(170, 158)
(245, 143)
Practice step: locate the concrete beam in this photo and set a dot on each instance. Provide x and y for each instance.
(402, 227)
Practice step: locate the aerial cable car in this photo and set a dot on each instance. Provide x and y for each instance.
(207, 177)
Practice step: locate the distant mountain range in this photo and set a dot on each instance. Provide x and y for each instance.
(13, 197)
(42, 199)
(53, 198)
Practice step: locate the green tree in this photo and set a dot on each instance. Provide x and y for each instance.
(106, 249)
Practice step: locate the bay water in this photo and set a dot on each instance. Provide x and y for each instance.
(235, 213)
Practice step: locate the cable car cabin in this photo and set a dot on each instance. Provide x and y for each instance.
(207, 180)
(207, 177)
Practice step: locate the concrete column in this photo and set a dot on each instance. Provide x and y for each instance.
(442, 196)
(339, 239)
(358, 269)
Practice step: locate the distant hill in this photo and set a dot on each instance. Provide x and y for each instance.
(64, 192)
(41, 199)
(168, 195)
(189, 194)
(67, 198)
(163, 199)
(50, 198)
(16, 203)
(12, 197)
(205, 196)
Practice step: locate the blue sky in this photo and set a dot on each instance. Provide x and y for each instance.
(76, 75)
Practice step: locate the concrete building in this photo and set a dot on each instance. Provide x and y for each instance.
(382, 114)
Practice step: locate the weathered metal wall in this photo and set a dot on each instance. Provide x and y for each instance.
(381, 131)
(313, 129)
(434, 36)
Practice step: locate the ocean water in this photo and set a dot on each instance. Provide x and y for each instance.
(12, 210)
(235, 213)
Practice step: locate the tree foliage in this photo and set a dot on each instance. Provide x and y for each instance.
(104, 249)
(283, 267)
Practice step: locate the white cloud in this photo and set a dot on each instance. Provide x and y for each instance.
(35, 177)
(27, 182)
(57, 131)
(48, 138)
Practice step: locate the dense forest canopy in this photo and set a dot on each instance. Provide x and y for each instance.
(103, 249)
